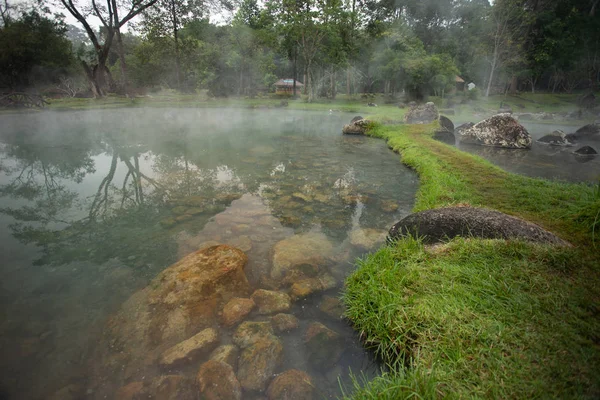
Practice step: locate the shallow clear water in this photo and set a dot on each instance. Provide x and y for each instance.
(95, 204)
(542, 160)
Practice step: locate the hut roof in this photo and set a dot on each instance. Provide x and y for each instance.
(458, 79)
(288, 82)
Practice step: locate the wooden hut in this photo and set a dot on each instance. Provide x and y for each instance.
(286, 86)
(460, 83)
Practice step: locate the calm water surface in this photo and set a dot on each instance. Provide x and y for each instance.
(91, 209)
(544, 161)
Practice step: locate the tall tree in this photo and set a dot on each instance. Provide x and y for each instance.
(166, 20)
(508, 23)
(112, 20)
(32, 41)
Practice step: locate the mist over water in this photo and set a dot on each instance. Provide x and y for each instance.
(95, 204)
(543, 160)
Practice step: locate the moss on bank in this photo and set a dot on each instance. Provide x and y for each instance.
(482, 318)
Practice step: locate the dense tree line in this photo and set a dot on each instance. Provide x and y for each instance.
(388, 46)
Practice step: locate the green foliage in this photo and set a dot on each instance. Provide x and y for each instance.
(473, 94)
(33, 49)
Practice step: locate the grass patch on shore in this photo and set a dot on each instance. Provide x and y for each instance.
(477, 318)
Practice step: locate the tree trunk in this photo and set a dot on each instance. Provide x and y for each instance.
(305, 91)
(96, 90)
(309, 84)
(491, 78)
(333, 85)
(295, 71)
(120, 49)
(176, 38)
(514, 82)
(348, 82)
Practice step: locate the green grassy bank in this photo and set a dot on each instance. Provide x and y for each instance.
(482, 318)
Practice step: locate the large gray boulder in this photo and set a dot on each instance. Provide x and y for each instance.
(590, 131)
(556, 138)
(421, 114)
(501, 130)
(443, 224)
(356, 127)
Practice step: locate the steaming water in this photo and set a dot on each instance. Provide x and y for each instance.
(79, 233)
(544, 161)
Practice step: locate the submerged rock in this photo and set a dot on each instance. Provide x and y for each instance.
(227, 353)
(189, 350)
(324, 346)
(367, 238)
(284, 322)
(216, 381)
(586, 150)
(501, 130)
(269, 301)
(305, 287)
(389, 206)
(304, 252)
(557, 138)
(442, 224)
(250, 332)
(423, 114)
(332, 306)
(236, 310)
(291, 385)
(166, 387)
(258, 363)
(181, 301)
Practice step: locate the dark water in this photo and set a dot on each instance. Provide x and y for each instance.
(542, 160)
(91, 211)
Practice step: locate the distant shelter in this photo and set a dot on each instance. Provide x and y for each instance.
(460, 83)
(286, 86)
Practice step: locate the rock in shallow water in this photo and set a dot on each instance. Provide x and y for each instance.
(217, 381)
(291, 385)
(299, 251)
(258, 363)
(367, 238)
(250, 332)
(501, 130)
(305, 287)
(270, 301)
(227, 353)
(324, 346)
(189, 350)
(423, 114)
(358, 127)
(284, 322)
(236, 310)
(180, 302)
(586, 150)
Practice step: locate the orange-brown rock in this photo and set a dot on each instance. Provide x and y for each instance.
(270, 301)
(324, 346)
(236, 310)
(217, 381)
(131, 391)
(284, 322)
(291, 385)
(258, 363)
(179, 303)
